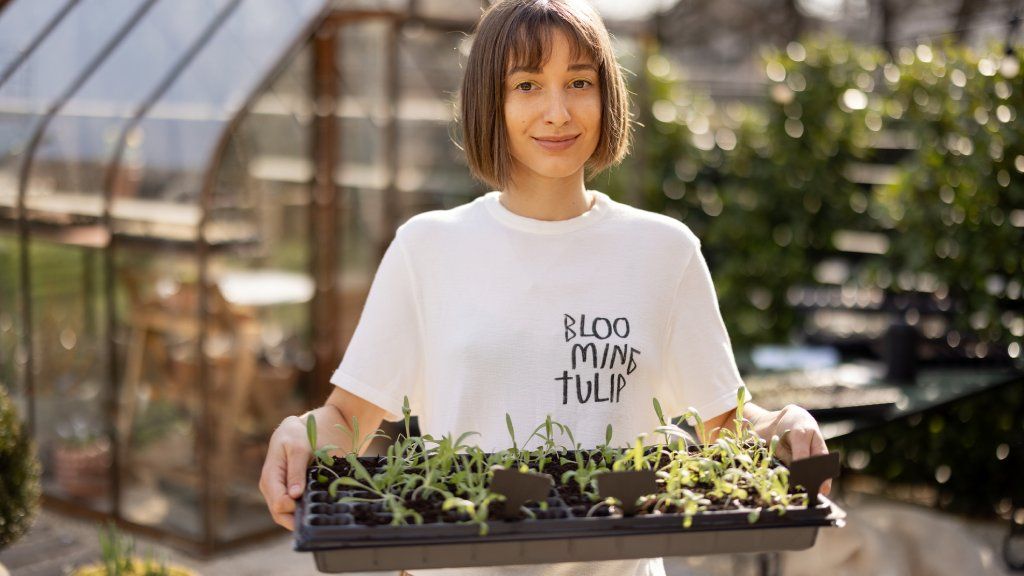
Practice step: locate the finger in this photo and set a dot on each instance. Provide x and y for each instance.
(818, 446)
(283, 511)
(800, 444)
(279, 504)
(826, 487)
(275, 492)
(782, 448)
(272, 477)
(296, 466)
(287, 521)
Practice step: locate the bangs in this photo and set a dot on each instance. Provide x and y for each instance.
(532, 36)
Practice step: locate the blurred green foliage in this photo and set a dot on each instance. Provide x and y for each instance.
(846, 138)
(19, 475)
(958, 205)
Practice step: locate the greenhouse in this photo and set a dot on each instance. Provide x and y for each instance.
(195, 197)
(177, 179)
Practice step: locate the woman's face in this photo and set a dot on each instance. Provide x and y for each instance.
(553, 115)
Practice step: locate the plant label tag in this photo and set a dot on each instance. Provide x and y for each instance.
(626, 487)
(812, 472)
(519, 487)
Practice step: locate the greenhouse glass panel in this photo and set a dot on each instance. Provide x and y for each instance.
(363, 110)
(41, 79)
(433, 172)
(160, 407)
(183, 130)
(81, 139)
(363, 173)
(21, 22)
(468, 10)
(357, 5)
(71, 372)
(12, 354)
(262, 293)
(359, 251)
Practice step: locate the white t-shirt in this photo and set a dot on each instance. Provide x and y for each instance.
(476, 312)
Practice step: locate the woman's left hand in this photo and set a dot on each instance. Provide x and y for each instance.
(798, 432)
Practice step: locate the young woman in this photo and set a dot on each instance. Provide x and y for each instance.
(541, 297)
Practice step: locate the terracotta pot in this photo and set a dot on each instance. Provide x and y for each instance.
(83, 471)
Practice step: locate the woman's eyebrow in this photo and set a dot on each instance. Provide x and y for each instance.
(534, 70)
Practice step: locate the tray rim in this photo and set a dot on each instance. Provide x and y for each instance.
(826, 514)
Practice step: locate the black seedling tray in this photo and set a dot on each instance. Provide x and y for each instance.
(561, 533)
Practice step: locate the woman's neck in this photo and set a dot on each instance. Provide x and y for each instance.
(545, 199)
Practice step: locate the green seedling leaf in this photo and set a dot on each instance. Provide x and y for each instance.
(677, 432)
(311, 431)
(458, 443)
(406, 414)
(359, 470)
(608, 435)
(511, 430)
(351, 483)
(754, 515)
(657, 410)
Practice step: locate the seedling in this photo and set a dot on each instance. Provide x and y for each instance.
(425, 479)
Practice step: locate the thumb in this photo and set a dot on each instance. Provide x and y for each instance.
(296, 480)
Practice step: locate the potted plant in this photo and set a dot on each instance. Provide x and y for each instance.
(19, 476)
(82, 460)
(118, 558)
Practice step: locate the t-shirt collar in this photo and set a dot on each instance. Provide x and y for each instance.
(513, 220)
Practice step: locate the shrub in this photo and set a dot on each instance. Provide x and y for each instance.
(19, 475)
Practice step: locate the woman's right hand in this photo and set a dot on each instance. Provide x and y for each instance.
(284, 471)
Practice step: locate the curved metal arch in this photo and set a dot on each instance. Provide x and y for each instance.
(36, 41)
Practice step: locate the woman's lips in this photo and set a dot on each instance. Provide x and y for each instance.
(555, 145)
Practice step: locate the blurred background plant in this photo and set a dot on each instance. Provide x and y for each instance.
(19, 475)
(119, 558)
(956, 207)
(894, 174)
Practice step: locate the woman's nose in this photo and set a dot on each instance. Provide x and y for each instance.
(556, 110)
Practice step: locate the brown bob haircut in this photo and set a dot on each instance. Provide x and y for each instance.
(521, 33)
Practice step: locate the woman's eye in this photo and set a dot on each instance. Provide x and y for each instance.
(524, 86)
(580, 83)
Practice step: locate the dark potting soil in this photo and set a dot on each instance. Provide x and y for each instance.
(566, 500)
(363, 514)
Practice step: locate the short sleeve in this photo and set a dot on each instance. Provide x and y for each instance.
(383, 363)
(700, 369)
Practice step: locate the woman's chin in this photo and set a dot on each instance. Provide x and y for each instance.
(559, 172)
